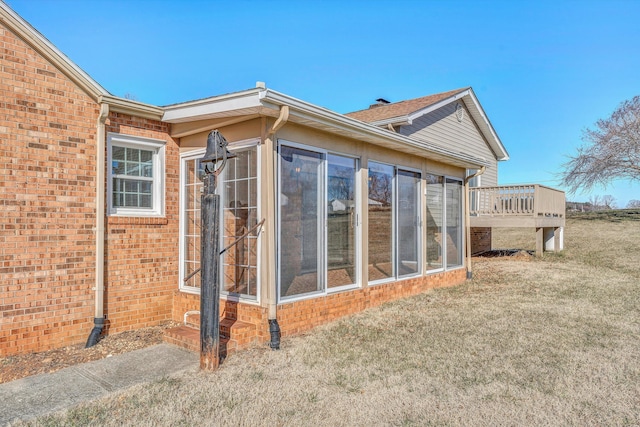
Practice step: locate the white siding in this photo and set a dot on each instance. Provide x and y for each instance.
(442, 128)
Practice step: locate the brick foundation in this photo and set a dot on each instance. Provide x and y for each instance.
(300, 316)
(480, 240)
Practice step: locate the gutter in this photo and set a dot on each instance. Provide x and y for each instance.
(468, 218)
(98, 318)
(305, 110)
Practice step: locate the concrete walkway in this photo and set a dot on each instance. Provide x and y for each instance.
(47, 393)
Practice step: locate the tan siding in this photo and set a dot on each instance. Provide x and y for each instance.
(442, 128)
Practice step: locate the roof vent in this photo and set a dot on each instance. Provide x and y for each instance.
(379, 103)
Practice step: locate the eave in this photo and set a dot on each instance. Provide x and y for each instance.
(267, 103)
(134, 108)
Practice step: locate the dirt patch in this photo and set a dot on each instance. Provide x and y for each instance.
(25, 365)
(516, 254)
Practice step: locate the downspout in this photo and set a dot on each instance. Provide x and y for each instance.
(274, 328)
(98, 318)
(468, 218)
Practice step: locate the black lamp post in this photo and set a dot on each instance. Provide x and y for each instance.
(214, 161)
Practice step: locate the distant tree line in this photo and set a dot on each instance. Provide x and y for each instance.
(599, 203)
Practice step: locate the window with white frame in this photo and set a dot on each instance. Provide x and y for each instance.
(238, 189)
(444, 222)
(135, 182)
(317, 221)
(394, 222)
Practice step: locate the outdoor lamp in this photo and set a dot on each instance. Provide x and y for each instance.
(216, 152)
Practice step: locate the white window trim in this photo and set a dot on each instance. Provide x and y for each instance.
(394, 212)
(190, 155)
(394, 215)
(419, 271)
(461, 210)
(224, 295)
(155, 145)
(445, 261)
(323, 190)
(425, 229)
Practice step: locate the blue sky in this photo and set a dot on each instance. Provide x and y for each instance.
(542, 70)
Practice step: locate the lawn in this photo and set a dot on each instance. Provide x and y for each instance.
(552, 341)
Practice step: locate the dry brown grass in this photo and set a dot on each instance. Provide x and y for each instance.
(545, 342)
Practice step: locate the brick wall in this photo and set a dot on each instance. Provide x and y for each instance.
(300, 316)
(47, 200)
(141, 267)
(480, 239)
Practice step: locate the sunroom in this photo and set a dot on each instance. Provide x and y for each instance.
(338, 215)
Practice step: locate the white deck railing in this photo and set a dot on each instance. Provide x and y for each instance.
(530, 200)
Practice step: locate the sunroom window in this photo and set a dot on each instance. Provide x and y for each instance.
(317, 221)
(238, 189)
(444, 223)
(394, 222)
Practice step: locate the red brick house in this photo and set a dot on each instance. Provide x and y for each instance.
(100, 202)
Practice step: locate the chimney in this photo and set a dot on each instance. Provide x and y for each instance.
(379, 103)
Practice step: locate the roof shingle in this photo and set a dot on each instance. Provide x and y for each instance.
(401, 108)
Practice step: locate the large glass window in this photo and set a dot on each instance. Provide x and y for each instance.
(317, 222)
(136, 175)
(341, 221)
(238, 190)
(300, 232)
(408, 222)
(454, 222)
(394, 222)
(381, 220)
(444, 222)
(435, 221)
(240, 215)
(193, 173)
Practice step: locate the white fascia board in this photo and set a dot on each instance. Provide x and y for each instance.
(195, 110)
(394, 121)
(487, 127)
(307, 111)
(128, 106)
(44, 47)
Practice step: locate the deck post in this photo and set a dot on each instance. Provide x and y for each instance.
(539, 241)
(550, 238)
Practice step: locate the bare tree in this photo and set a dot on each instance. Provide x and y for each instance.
(610, 151)
(595, 202)
(598, 203)
(633, 204)
(609, 202)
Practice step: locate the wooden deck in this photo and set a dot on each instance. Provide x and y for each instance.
(530, 205)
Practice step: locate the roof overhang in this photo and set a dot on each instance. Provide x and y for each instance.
(267, 103)
(475, 109)
(134, 108)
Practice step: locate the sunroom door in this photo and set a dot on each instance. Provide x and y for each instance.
(300, 231)
(341, 248)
